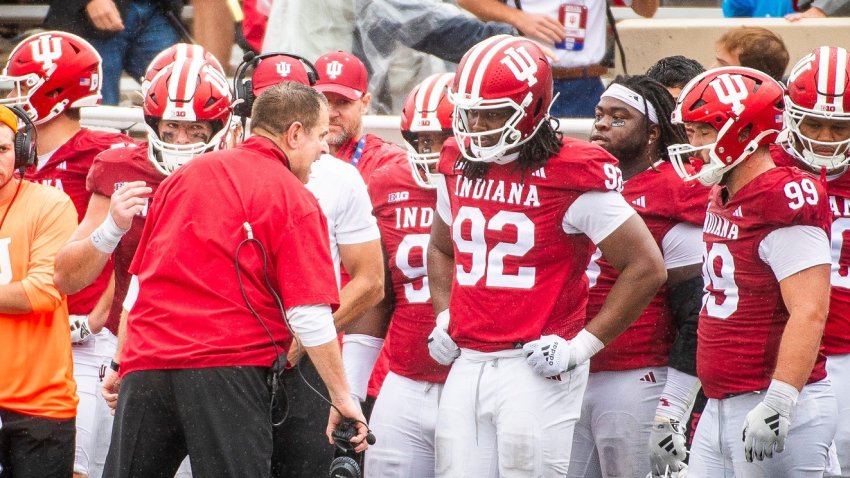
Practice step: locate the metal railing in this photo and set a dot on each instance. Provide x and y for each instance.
(130, 119)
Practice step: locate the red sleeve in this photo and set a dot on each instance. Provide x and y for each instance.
(305, 247)
(583, 166)
(448, 157)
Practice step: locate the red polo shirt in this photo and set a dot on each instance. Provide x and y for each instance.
(190, 312)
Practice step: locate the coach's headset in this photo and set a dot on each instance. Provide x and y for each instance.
(243, 88)
(25, 141)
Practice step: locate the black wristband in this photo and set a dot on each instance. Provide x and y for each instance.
(114, 365)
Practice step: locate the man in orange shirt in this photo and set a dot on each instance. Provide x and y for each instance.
(38, 395)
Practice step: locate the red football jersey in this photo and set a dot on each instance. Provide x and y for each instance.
(743, 315)
(518, 274)
(663, 200)
(111, 170)
(836, 335)
(66, 170)
(369, 153)
(405, 213)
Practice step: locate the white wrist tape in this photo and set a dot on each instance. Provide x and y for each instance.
(585, 345)
(106, 237)
(359, 354)
(443, 320)
(781, 397)
(680, 390)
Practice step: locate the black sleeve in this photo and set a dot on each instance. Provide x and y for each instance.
(452, 39)
(686, 302)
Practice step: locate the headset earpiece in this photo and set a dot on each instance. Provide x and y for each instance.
(243, 88)
(25, 152)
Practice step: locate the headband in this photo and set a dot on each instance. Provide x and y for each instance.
(629, 97)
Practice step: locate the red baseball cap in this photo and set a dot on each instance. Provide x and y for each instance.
(342, 73)
(278, 68)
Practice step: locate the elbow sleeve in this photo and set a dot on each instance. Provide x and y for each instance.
(686, 303)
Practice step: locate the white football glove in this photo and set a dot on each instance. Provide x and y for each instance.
(766, 426)
(441, 347)
(79, 328)
(667, 448)
(550, 356)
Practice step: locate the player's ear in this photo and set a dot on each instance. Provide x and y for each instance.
(364, 102)
(654, 133)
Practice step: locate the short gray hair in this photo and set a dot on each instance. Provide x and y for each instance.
(285, 103)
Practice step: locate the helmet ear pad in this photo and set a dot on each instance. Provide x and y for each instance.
(243, 85)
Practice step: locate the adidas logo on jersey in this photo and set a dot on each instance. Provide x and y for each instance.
(650, 377)
(738, 212)
(540, 173)
(640, 202)
(398, 196)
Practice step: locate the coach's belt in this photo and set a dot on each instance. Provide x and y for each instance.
(574, 73)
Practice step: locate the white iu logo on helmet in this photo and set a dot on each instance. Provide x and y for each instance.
(521, 64)
(46, 50)
(731, 90)
(283, 68)
(334, 69)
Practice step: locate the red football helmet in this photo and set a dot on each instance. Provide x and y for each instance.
(501, 71)
(173, 54)
(818, 87)
(186, 91)
(51, 72)
(742, 104)
(426, 109)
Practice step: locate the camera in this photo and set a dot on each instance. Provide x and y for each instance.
(347, 463)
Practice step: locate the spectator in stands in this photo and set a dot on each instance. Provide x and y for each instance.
(821, 9)
(674, 72)
(757, 8)
(389, 29)
(128, 34)
(38, 402)
(213, 27)
(753, 47)
(580, 45)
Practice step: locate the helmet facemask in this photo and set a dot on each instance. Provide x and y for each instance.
(803, 147)
(472, 143)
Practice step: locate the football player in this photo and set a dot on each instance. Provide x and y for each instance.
(766, 270)
(404, 197)
(817, 137)
(123, 180)
(658, 350)
(518, 208)
(51, 75)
